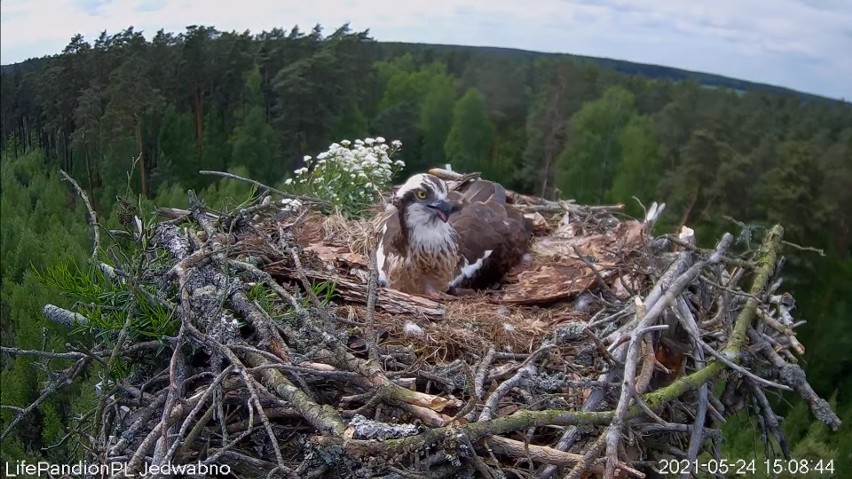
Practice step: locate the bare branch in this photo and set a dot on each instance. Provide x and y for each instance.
(268, 189)
(92, 217)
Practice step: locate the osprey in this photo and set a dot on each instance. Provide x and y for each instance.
(434, 240)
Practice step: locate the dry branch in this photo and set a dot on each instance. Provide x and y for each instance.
(91, 216)
(267, 189)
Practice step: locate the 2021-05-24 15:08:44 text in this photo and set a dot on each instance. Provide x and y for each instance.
(737, 467)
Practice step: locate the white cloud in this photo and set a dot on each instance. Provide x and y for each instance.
(800, 44)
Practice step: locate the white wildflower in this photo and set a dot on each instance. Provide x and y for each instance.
(350, 173)
(396, 143)
(291, 204)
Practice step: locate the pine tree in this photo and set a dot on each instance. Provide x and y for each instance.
(37, 231)
(471, 138)
(254, 143)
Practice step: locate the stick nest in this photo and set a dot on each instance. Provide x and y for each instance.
(601, 355)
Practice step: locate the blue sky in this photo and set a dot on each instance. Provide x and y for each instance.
(800, 44)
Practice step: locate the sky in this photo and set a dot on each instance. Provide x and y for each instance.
(805, 45)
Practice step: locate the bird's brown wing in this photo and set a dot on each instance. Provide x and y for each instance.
(492, 239)
(482, 190)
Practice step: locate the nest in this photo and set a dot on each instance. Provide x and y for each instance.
(601, 356)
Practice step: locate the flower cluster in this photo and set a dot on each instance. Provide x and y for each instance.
(291, 204)
(349, 174)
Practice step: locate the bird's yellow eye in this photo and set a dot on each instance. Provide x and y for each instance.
(421, 195)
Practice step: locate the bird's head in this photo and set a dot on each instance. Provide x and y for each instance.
(423, 200)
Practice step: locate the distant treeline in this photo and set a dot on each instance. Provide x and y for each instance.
(265, 100)
(714, 149)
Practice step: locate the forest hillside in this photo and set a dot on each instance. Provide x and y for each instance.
(133, 121)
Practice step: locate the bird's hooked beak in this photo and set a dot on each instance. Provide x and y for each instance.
(443, 209)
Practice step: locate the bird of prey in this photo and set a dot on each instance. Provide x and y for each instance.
(435, 241)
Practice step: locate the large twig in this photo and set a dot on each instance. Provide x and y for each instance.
(613, 436)
(324, 418)
(696, 440)
(482, 372)
(793, 375)
(587, 458)
(91, 217)
(770, 419)
(63, 316)
(268, 189)
(526, 371)
(372, 293)
(42, 354)
(541, 454)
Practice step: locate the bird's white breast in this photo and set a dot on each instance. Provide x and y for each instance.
(427, 233)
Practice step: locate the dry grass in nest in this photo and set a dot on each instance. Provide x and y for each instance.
(471, 327)
(357, 234)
